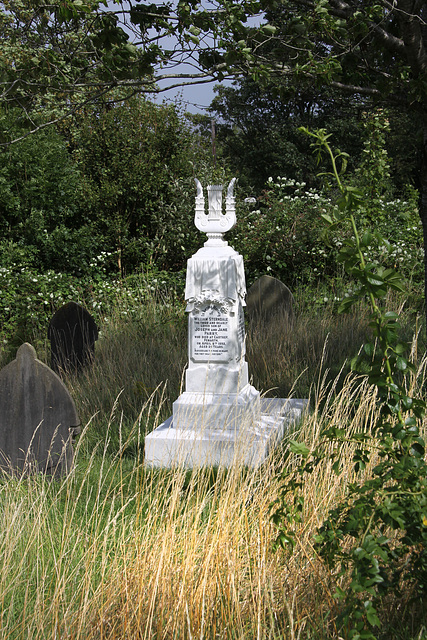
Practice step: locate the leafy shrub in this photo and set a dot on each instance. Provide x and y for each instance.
(374, 540)
(286, 238)
(117, 179)
(136, 161)
(30, 298)
(282, 236)
(40, 195)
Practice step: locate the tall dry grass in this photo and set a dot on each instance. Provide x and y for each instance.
(148, 354)
(118, 551)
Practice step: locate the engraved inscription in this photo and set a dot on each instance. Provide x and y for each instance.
(241, 327)
(211, 334)
(241, 332)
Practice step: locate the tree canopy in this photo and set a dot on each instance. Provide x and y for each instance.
(258, 129)
(373, 49)
(59, 56)
(66, 53)
(116, 181)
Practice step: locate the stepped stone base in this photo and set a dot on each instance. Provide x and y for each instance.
(216, 411)
(249, 445)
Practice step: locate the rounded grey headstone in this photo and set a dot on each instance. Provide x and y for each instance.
(268, 297)
(37, 417)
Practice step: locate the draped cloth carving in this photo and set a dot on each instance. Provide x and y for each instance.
(224, 275)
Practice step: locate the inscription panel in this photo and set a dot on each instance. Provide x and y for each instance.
(241, 332)
(210, 335)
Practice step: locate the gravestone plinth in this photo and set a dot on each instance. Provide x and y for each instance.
(217, 390)
(220, 418)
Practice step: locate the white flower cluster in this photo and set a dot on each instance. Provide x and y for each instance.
(32, 298)
(299, 191)
(404, 253)
(99, 261)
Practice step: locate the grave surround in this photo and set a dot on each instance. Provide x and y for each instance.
(220, 419)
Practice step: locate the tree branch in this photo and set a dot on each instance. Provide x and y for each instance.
(412, 36)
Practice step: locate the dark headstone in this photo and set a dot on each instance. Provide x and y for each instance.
(72, 333)
(38, 417)
(268, 298)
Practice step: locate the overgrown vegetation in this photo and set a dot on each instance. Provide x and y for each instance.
(117, 550)
(374, 538)
(99, 211)
(120, 551)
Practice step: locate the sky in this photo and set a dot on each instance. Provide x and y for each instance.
(195, 98)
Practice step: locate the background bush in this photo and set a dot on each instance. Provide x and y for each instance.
(284, 235)
(119, 179)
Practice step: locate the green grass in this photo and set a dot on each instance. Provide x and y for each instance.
(117, 551)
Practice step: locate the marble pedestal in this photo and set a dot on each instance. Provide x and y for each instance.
(248, 445)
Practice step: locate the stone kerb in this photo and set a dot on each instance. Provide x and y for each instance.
(38, 418)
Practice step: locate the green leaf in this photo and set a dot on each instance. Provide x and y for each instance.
(269, 28)
(372, 618)
(339, 593)
(336, 467)
(391, 315)
(407, 402)
(418, 449)
(366, 239)
(299, 448)
(368, 348)
(286, 540)
(375, 280)
(327, 218)
(400, 348)
(401, 363)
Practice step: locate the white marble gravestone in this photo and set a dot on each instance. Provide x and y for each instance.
(220, 418)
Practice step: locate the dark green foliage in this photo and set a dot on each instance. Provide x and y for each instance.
(29, 299)
(375, 539)
(283, 233)
(40, 196)
(282, 236)
(58, 58)
(117, 181)
(373, 52)
(258, 129)
(135, 160)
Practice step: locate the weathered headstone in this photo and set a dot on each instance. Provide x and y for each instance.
(38, 417)
(72, 333)
(268, 298)
(220, 418)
